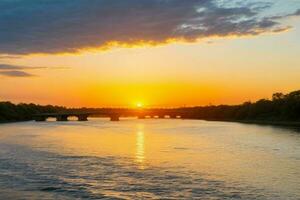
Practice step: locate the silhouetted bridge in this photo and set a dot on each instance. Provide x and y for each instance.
(114, 114)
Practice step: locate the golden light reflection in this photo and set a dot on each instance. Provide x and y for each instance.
(140, 148)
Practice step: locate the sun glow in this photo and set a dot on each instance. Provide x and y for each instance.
(139, 105)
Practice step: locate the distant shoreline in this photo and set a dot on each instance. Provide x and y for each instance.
(281, 110)
(291, 124)
(274, 123)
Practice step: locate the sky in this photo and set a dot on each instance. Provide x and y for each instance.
(158, 53)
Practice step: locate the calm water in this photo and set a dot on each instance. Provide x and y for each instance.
(148, 159)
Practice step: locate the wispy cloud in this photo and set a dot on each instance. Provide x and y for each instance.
(18, 67)
(21, 71)
(52, 26)
(5, 57)
(15, 73)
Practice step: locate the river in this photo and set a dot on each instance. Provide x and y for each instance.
(148, 159)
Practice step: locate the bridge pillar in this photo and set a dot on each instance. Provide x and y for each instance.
(161, 116)
(62, 118)
(40, 119)
(173, 116)
(141, 117)
(82, 118)
(114, 118)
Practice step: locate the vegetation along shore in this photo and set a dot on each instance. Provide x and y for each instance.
(282, 109)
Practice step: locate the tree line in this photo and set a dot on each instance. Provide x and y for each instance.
(10, 112)
(282, 107)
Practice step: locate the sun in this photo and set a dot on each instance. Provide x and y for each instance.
(139, 105)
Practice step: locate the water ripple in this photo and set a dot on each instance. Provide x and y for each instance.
(47, 175)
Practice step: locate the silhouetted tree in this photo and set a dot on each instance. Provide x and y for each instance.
(22, 112)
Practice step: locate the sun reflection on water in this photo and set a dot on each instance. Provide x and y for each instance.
(140, 147)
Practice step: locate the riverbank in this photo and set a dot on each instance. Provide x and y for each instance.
(15, 121)
(295, 124)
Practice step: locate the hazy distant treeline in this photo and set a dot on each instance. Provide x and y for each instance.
(21, 112)
(282, 107)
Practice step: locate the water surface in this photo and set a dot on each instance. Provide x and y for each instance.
(148, 159)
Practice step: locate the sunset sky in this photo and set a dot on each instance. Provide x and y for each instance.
(159, 53)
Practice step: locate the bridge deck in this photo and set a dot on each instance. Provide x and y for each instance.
(114, 115)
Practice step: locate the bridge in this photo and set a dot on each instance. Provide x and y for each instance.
(113, 114)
